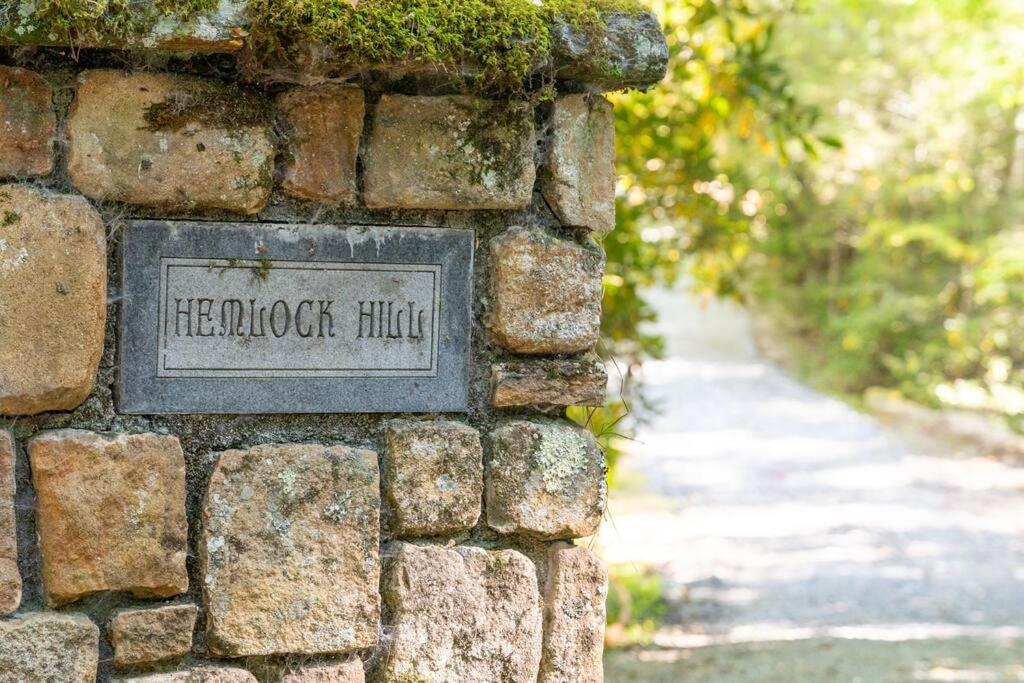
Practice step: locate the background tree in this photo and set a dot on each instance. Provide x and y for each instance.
(893, 258)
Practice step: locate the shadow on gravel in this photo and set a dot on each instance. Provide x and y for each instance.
(825, 661)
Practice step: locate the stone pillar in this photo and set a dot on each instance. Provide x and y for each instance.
(285, 358)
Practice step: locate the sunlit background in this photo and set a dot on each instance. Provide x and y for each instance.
(815, 312)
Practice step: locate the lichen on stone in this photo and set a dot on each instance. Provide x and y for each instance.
(560, 455)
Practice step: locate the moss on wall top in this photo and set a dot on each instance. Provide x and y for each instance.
(501, 42)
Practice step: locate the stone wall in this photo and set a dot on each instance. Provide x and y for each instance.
(287, 547)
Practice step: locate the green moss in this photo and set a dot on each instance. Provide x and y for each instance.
(9, 218)
(210, 104)
(67, 19)
(502, 40)
(261, 272)
(493, 135)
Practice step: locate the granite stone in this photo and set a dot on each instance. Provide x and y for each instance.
(455, 152)
(460, 614)
(150, 635)
(574, 606)
(290, 553)
(10, 577)
(549, 382)
(53, 299)
(110, 513)
(238, 318)
(45, 646)
(433, 476)
(325, 125)
(28, 124)
(545, 480)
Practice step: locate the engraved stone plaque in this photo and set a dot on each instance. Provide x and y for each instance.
(273, 318)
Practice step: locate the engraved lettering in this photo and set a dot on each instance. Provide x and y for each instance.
(364, 315)
(325, 314)
(188, 318)
(205, 306)
(298, 319)
(274, 316)
(398, 334)
(411, 335)
(383, 320)
(352, 318)
(231, 312)
(252, 320)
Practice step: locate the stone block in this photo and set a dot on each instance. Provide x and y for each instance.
(206, 27)
(579, 179)
(549, 382)
(433, 477)
(43, 646)
(628, 51)
(290, 555)
(325, 125)
(10, 577)
(110, 513)
(349, 672)
(545, 479)
(450, 153)
(53, 300)
(461, 614)
(545, 292)
(171, 142)
(202, 674)
(27, 123)
(148, 636)
(334, 353)
(574, 611)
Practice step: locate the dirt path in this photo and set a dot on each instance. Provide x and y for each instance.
(775, 512)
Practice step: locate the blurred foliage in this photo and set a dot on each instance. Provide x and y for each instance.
(723, 86)
(636, 605)
(898, 256)
(895, 254)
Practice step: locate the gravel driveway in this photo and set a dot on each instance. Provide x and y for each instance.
(775, 512)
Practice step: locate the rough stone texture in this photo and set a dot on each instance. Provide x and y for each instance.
(204, 674)
(27, 123)
(630, 51)
(43, 646)
(147, 636)
(218, 30)
(574, 609)
(325, 124)
(545, 292)
(464, 614)
(579, 181)
(450, 153)
(202, 161)
(290, 555)
(555, 382)
(110, 513)
(433, 477)
(545, 480)
(53, 300)
(349, 672)
(10, 577)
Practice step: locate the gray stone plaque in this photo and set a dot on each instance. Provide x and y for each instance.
(271, 318)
